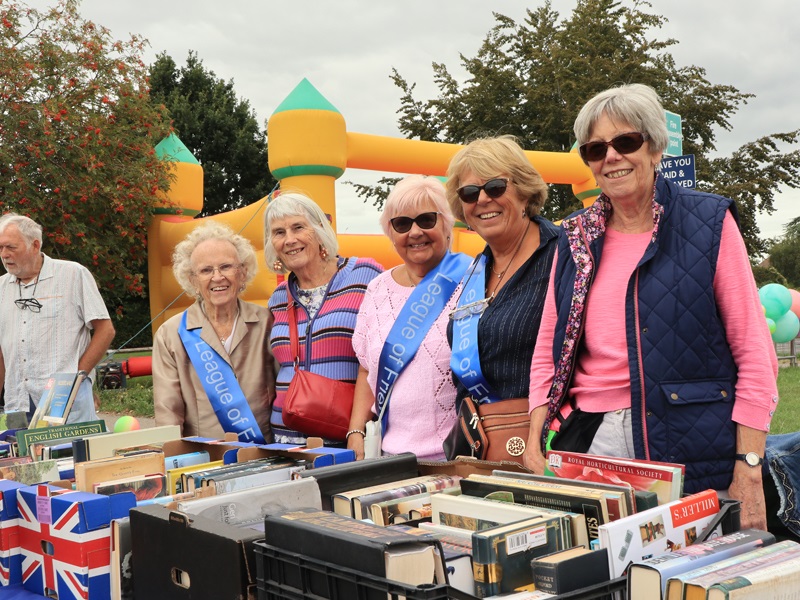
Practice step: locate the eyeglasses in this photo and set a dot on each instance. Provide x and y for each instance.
(225, 270)
(472, 309)
(494, 188)
(29, 303)
(425, 220)
(625, 143)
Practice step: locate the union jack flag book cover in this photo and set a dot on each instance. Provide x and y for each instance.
(10, 556)
(65, 541)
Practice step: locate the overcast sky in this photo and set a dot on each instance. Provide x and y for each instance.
(347, 48)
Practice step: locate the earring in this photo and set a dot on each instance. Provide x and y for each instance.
(323, 252)
(277, 265)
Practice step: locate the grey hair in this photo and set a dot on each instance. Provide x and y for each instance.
(407, 198)
(29, 229)
(212, 230)
(295, 204)
(635, 104)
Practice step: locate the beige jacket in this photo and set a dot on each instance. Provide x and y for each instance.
(178, 395)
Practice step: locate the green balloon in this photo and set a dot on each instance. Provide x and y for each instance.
(771, 325)
(786, 328)
(776, 300)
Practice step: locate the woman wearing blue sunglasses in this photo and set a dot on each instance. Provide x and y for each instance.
(495, 190)
(653, 342)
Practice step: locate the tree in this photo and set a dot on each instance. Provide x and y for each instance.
(220, 130)
(77, 138)
(784, 255)
(530, 79)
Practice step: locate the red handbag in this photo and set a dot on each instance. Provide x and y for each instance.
(315, 405)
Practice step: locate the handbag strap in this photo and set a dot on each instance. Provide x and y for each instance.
(294, 338)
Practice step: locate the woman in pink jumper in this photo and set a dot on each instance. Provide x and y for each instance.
(653, 343)
(400, 338)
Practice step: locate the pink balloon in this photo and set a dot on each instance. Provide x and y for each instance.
(795, 302)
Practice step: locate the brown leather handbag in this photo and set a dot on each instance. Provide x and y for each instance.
(492, 431)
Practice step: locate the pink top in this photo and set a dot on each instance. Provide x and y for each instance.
(422, 405)
(601, 381)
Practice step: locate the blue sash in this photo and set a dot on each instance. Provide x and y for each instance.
(423, 307)
(465, 361)
(221, 386)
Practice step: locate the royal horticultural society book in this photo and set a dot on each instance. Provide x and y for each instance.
(648, 579)
(666, 479)
(58, 432)
(360, 545)
(654, 532)
(694, 585)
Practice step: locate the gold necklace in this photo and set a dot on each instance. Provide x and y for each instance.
(503, 272)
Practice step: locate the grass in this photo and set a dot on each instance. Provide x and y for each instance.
(137, 398)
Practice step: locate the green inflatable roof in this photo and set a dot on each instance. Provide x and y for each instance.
(305, 96)
(172, 148)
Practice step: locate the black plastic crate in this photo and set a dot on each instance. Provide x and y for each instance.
(283, 575)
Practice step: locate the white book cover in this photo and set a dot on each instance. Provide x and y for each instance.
(251, 505)
(657, 531)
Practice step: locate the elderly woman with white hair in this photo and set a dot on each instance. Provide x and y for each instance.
(401, 333)
(324, 292)
(212, 370)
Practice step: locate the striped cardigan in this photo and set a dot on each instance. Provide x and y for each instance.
(330, 343)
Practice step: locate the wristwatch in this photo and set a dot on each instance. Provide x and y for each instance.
(751, 459)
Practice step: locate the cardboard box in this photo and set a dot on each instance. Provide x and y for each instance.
(10, 556)
(233, 451)
(65, 541)
(177, 557)
(315, 446)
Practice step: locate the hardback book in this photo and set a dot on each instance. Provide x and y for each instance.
(411, 508)
(362, 473)
(665, 528)
(87, 474)
(186, 460)
(254, 477)
(666, 479)
(779, 580)
(695, 584)
(39, 471)
(252, 505)
(464, 536)
(196, 479)
(347, 542)
(457, 557)
(176, 482)
(568, 570)
(590, 503)
(121, 563)
(647, 579)
(103, 446)
(144, 487)
(56, 402)
(477, 514)
(501, 556)
(57, 434)
(624, 490)
(356, 503)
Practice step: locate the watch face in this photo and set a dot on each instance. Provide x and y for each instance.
(752, 459)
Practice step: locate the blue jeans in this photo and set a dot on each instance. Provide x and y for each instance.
(783, 468)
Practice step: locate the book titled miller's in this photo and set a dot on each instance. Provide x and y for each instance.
(657, 531)
(665, 479)
(648, 579)
(346, 542)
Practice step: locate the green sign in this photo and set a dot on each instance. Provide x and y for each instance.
(675, 132)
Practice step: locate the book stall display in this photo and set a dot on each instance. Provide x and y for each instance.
(145, 514)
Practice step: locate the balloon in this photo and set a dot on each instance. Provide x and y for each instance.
(771, 325)
(126, 423)
(786, 328)
(776, 299)
(795, 302)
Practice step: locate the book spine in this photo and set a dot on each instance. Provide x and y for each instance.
(80, 450)
(545, 577)
(438, 483)
(485, 570)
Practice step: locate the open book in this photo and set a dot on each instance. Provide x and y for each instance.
(57, 399)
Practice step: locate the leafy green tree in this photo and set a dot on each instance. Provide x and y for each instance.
(784, 255)
(77, 138)
(220, 130)
(530, 79)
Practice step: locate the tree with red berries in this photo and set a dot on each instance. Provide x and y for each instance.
(77, 138)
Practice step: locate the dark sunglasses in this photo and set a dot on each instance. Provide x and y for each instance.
(494, 188)
(424, 221)
(625, 143)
